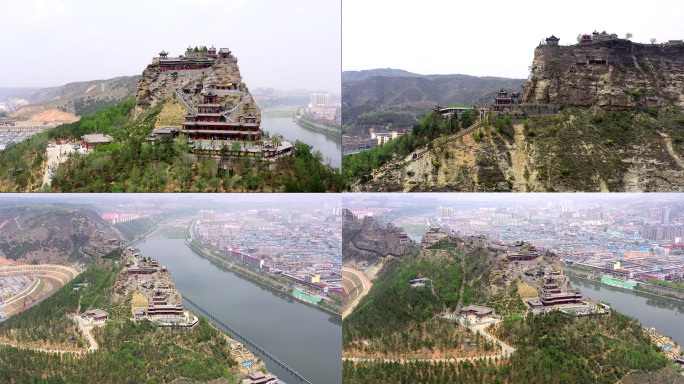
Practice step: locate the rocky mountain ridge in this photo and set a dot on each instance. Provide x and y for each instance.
(366, 244)
(55, 234)
(614, 74)
(156, 85)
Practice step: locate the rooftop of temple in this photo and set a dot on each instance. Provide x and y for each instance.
(193, 58)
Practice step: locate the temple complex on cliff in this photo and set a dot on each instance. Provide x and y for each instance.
(222, 120)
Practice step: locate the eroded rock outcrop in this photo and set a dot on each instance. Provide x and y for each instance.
(365, 243)
(613, 74)
(157, 84)
(616, 123)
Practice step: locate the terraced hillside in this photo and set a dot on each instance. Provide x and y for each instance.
(46, 280)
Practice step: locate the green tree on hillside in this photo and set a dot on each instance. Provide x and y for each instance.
(224, 151)
(237, 147)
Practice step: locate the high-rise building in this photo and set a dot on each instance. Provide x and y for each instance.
(665, 215)
(445, 213)
(595, 213)
(320, 100)
(568, 206)
(207, 216)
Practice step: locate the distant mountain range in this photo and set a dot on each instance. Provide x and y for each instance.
(80, 98)
(378, 97)
(360, 75)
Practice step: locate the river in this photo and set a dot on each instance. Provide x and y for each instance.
(660, 313)
(330, 147)
(306, 339)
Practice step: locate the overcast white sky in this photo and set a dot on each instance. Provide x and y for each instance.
(491, 37)
(496, 199)
(286, 44)
(211, 200)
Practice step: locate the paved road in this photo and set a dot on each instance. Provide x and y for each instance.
(46, 350)
(18, 225)
(55, 156)
(506, 350)
(85, 328)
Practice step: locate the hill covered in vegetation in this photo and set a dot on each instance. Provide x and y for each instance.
(377, 98)
(132, 164)
(598, 116)
(551, 349)
(128, 351)
(399, 333)
(80, 98)
(572, 150)
(392, 305)
(238, 157)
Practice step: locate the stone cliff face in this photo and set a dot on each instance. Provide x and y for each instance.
(615, 74)
(384, 241)
(366, 243)
(620, 128)
(156, 85)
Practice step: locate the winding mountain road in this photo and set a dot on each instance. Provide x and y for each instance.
(506, 351)
(84, 328)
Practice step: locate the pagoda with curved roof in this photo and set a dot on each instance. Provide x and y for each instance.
(211, 123)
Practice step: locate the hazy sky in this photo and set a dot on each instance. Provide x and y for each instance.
(608, 199)
(488, 38)
(208, 200)
(290, 44)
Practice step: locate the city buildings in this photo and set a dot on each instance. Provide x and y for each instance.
(300, 245)
(623, 243)
(320, 100)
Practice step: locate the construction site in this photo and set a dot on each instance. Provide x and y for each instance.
(23, 286)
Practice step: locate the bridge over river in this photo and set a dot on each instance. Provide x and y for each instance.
(247, 341)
